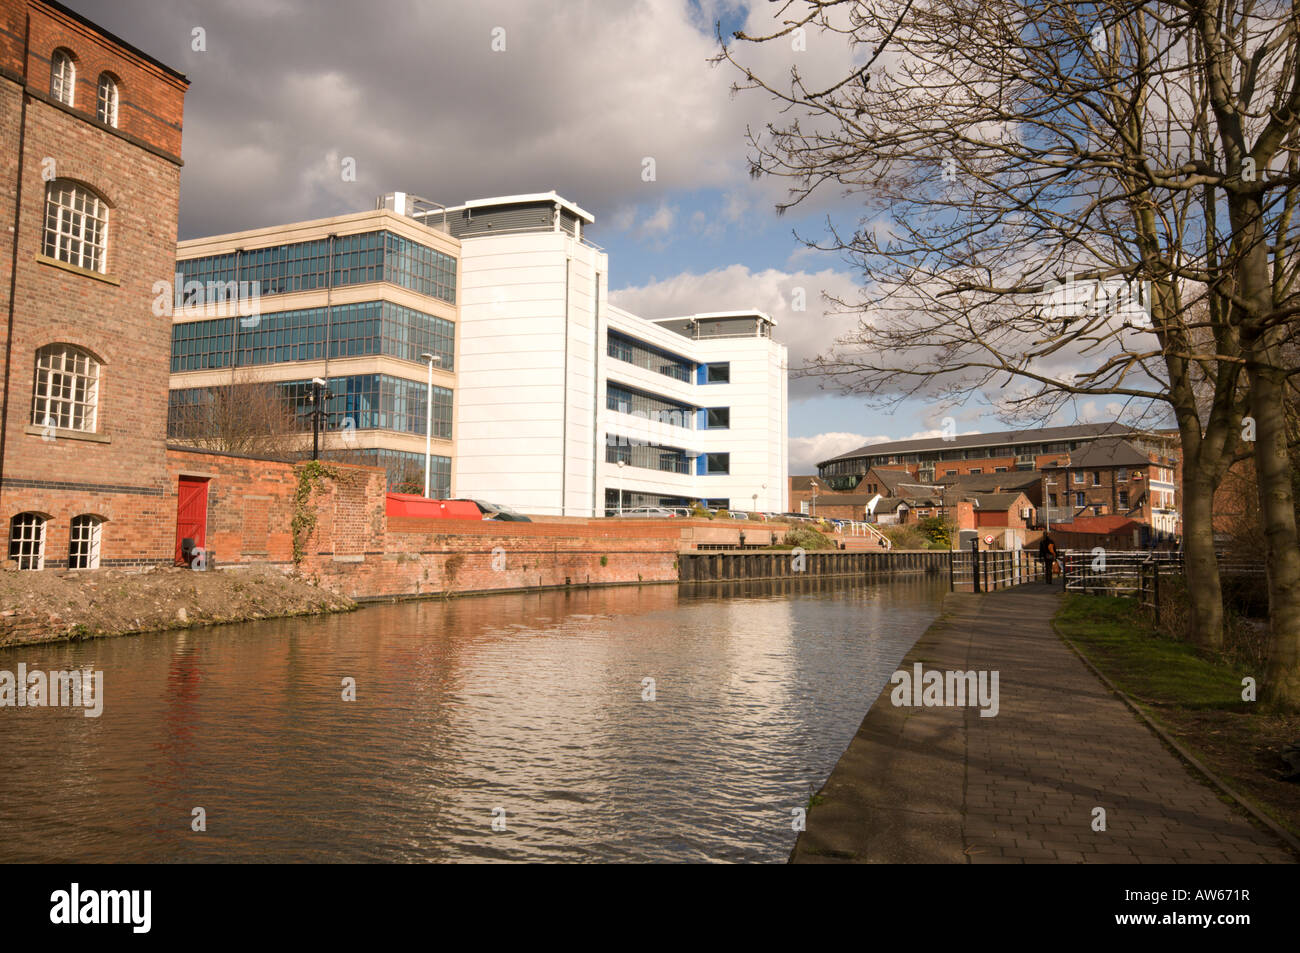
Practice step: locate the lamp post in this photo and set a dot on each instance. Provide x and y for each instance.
(621, 465)
(428, 419)
(1047, 528)
(318, 397)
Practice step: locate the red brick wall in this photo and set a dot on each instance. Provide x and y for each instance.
(122, 476)
(151, 100)
(357, 550)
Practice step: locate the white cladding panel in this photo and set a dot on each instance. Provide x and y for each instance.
(532, 367)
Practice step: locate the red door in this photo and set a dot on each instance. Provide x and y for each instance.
(191, 512)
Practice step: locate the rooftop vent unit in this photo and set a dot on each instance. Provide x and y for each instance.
(414, 206)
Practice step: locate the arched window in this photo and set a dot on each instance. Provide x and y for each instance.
(76, 225)
(63, 77)
(83, 543)
(106, 102)
(27, 540)
(67, 389)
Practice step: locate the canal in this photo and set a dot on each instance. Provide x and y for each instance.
(536, 711)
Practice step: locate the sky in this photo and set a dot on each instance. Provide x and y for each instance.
(454, 101)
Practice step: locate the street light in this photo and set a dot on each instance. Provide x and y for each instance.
(1047, 528)
(621, 465)
(318, 396)
(428, 419)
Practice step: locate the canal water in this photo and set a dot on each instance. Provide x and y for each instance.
(531, 710)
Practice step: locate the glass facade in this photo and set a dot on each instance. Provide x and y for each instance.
(626, 400)
(366, 328)
(305, 266)
(405, 469)
(627, 349)
(651, 456)
(359, 402)
(629, 499)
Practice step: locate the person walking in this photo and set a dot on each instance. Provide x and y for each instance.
(1047, 553)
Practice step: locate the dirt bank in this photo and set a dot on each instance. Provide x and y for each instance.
(51, 605)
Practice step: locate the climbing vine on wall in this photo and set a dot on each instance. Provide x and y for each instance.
(303, 523)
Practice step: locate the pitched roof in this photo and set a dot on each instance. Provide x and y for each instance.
(891, 478)
(994, 482)
(997, 501)
(1108, 453)
(804, 483)
(1074, 431)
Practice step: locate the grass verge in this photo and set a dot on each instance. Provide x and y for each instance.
(1196, 699)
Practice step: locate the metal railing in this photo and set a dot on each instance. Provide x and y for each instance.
(1110, 572)
(989, 570)
(863, 528)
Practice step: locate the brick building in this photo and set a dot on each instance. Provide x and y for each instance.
(91, 174)
(1114, 478)
(932, 459)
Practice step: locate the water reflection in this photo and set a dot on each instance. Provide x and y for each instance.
(531, 703)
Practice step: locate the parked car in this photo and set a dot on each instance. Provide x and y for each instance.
(738, 516)
(647, 513)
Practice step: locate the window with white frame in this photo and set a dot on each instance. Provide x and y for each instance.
(76, 226)
(106, 102)
(27, 540)
(63, 77)
(83, 543)
(1078, 476)
(67, 389)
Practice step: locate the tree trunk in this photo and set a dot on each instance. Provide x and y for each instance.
(1281, 687)
(1200, 567)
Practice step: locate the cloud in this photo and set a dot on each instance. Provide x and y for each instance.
(806, 452)
(582, 93)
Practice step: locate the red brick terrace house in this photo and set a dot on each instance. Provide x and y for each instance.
(91, 170)
(1114, 478)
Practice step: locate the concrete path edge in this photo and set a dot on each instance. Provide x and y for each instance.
(1239, 799)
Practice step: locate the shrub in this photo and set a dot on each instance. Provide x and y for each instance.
(937, 530)
(807, 538)
(906, 537)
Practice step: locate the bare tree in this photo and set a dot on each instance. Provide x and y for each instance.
(1010, 155)
(248, 416)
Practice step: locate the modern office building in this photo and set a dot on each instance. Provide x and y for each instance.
(567, 405)
(547, 398)
(361, 302)
(91, 181)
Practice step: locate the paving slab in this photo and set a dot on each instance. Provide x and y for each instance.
(945, 785)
